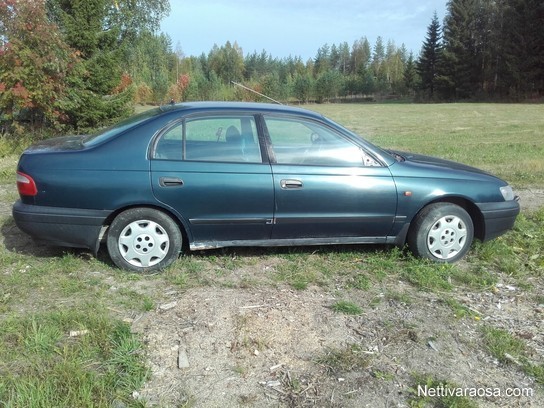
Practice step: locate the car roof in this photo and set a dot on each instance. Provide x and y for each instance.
(247, 106)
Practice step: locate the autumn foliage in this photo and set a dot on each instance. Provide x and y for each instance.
(35, 64)
(177, 91)
(61, 61)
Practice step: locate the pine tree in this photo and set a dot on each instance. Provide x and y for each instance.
(464, 59)
(429, 60)
(106, 35)
(410, 75)
(302, 87)
(322, 60)
(523, 70)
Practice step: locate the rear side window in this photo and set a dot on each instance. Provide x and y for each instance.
(105, 134)
(211, 139)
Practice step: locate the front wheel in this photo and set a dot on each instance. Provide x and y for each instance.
(143, 240)
(441, 232)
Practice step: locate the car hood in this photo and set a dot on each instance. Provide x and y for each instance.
(436, 162)
(57, 144)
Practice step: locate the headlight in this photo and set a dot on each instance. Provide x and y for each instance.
(507, 193)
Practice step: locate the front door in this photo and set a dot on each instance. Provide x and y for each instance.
(325, 185)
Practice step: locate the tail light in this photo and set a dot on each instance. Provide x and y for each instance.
(26, 185)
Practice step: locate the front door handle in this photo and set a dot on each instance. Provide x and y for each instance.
(170, 181)
(290, 183)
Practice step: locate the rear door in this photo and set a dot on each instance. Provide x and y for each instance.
(209, 168)
(325, 185)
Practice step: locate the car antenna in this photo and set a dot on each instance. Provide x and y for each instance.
(254, 91)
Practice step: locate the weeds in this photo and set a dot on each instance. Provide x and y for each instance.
(344, 360)
(429, 391)
(300, 270)
(349, 308)
(509, 349)
(459, 310)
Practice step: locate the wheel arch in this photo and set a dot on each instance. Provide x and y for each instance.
(181, 223)
(468, 206)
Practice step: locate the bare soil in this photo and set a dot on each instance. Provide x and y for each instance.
(270, 347)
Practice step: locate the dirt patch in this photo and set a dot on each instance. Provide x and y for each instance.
(531, 199)
(215, 347)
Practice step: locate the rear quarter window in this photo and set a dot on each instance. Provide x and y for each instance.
(105, 134)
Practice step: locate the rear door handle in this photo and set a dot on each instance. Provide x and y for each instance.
(170, 181)
(290, 183)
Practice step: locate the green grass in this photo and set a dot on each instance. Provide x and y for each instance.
(511, 350)
(301, 269)
(501, 343)
(42, 365)
(519, 253)
(346, 307)
(460, 310)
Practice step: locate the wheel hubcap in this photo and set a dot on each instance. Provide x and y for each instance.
(447, 237)
(144, 243)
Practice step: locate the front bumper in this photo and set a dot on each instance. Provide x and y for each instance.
(71, 227)
(498, 217)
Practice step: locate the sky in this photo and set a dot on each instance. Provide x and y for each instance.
(294, 28)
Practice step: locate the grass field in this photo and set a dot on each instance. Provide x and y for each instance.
(65, 316)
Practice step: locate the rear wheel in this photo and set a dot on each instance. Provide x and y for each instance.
(143, 240)
(441, 232)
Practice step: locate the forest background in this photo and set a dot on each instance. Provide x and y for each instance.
(74, 65)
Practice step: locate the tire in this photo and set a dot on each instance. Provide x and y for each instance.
(143, 240)
(441, 232)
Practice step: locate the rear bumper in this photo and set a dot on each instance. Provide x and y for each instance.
(69, 227)
(498, 217)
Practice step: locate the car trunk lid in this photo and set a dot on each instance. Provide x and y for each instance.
(57, 144)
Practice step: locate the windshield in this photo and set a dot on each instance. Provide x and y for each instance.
(104, 134)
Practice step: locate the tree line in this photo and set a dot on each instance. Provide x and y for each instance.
(79, 64)
(485, 49)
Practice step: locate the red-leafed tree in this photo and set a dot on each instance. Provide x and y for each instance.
(35, 65)
(182, 84)
(176, 92)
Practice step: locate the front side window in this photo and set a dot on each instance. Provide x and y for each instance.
(305, 142)
(212, 139)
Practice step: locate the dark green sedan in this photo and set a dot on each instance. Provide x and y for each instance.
(208, 175)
